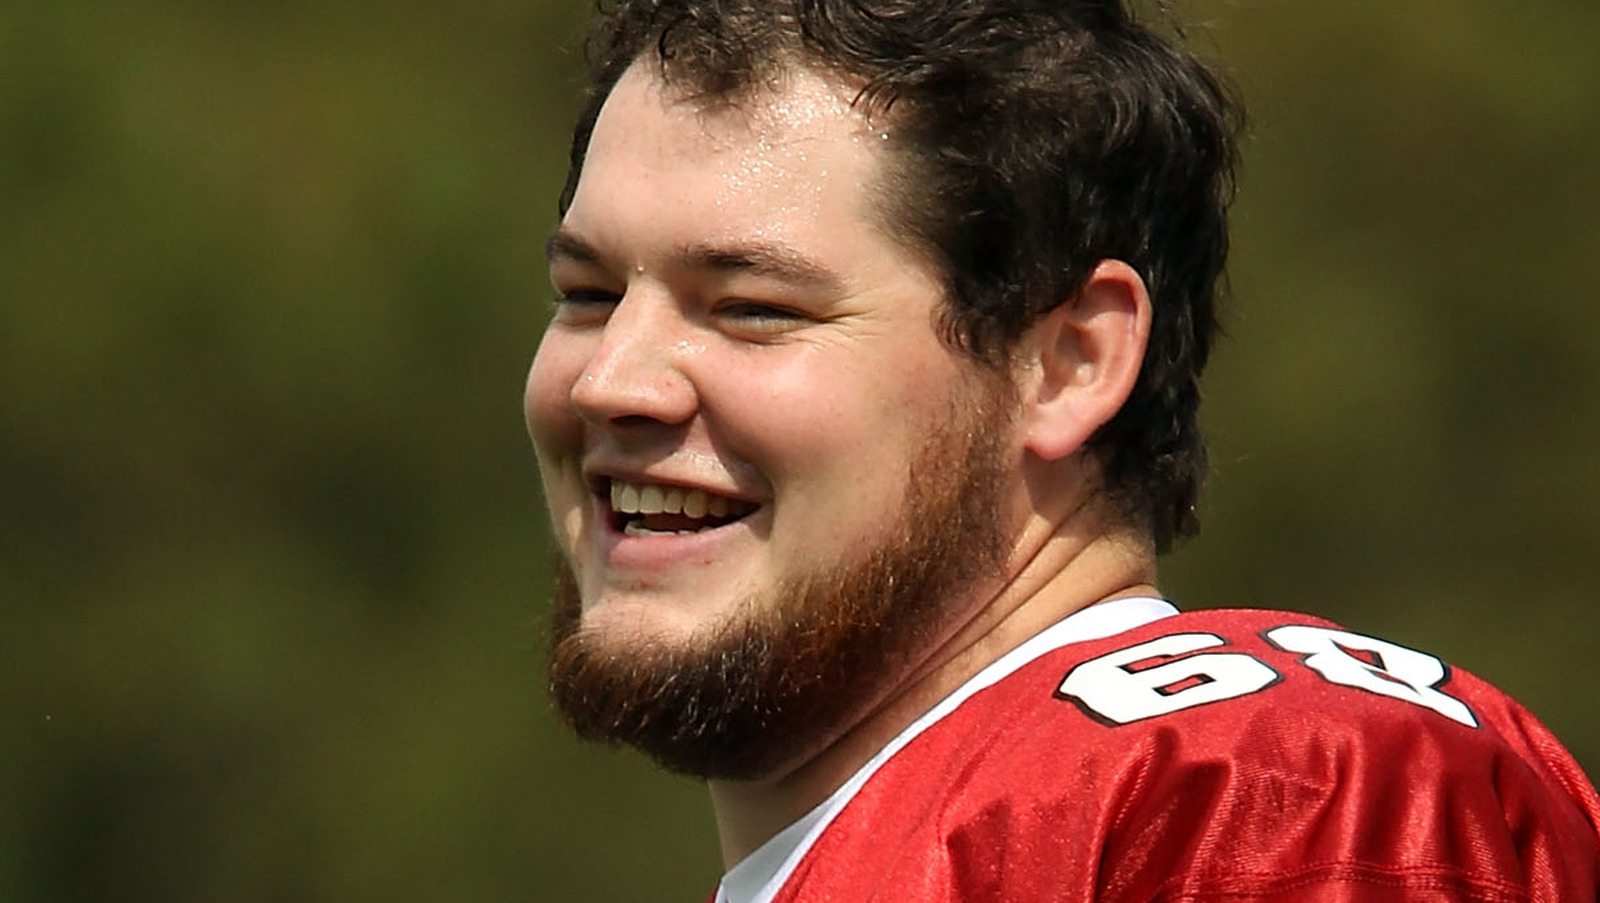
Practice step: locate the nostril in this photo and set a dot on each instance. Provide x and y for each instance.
(633, 421)
(624, 403)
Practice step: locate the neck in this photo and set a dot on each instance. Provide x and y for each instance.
(1057, 571)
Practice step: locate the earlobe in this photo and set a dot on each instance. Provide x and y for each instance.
(1084, 360)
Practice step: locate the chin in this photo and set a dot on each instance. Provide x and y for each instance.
(627, 622)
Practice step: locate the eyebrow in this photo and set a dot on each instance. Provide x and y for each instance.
(757, 259)
(563, 245)
(764, 260)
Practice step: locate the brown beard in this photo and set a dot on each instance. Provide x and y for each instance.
(798, 661)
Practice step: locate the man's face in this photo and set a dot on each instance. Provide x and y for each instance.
(744, 415)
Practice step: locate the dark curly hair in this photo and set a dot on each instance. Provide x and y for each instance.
(1032, 139)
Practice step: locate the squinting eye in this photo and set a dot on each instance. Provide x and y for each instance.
(748, 311)
(585, 305)
(587, 296)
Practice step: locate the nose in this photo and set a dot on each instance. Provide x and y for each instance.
(636, 375)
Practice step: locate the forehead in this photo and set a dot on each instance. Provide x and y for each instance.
(793, 147)
(795, 104)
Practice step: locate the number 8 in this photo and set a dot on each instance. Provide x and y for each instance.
(1398, 672)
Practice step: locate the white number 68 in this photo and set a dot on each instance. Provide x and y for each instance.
(1111, 690)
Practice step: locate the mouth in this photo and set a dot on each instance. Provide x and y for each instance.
(654, 509)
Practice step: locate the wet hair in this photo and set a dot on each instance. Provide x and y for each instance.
(1031, 139)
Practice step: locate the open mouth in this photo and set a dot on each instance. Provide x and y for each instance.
(650, 509)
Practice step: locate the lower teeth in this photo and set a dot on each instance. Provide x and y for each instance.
(634, 528)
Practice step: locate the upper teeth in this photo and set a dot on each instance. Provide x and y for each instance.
(649, 498)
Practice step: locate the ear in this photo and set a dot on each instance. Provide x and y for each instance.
(1082, 360)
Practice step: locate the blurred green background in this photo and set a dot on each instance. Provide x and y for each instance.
(271, 544)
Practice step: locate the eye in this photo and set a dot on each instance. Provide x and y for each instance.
(757, 314)
(581, 296)
(583, 305)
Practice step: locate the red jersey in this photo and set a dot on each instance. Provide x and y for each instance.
(1237, 756)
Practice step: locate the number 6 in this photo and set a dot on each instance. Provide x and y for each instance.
(1109, 689)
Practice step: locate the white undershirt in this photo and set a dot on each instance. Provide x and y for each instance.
(759, 876)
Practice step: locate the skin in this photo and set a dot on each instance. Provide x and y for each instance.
(734, 321)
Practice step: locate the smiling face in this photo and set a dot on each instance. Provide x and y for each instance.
(745, 417)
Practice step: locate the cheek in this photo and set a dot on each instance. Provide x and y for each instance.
(557, 435)
(786, 410)
(831, 426)
(546, 399)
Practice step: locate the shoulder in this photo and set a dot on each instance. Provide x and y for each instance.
(1231, 752)
(1216, 677)
(1300, 699)
(1251, 746)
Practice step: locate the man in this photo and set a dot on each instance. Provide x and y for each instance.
(869, 402)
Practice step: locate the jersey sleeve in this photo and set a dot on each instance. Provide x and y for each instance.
(1301, 761)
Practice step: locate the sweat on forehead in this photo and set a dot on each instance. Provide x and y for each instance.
(791, 97)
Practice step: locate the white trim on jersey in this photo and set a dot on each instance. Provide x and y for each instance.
(758, 877)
